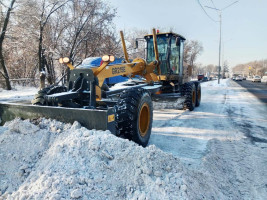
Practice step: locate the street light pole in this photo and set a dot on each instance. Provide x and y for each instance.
(220, 45)
(220, 40)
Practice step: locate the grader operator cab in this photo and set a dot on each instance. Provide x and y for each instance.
(127, 111)
(170, 52)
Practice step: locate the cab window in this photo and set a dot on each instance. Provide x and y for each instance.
(162, 49)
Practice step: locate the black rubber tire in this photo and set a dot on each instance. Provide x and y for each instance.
(134, 105)
(39, 98)
(198, 89)
(189, 90)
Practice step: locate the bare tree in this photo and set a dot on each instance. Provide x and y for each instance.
(131, 36)
(74, 28)
(251, 68)
(47, 9)
(88, 27)
(4, 73)
(88, 31)
(192, 49)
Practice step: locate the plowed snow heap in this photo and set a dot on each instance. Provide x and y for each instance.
(51, 160)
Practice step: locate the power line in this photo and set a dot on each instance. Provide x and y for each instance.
(213, 3)
(205, 11)
(229, 5)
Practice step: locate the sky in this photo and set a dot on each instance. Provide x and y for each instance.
(244, 25)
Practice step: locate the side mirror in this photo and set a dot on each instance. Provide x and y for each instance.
(136, 44)
(177, 41)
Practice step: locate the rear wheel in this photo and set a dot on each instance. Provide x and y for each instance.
(198, 89)
(189, 90)
(134, 114)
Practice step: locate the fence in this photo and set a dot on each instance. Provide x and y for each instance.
(19, 81)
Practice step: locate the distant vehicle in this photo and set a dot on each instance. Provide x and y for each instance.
(233, 78)
(238, 78)
(205, 79)
(256, 79)
(244, 78)
(210, 78)
(200, 77)
(264, 79)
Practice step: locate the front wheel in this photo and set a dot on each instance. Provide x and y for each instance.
(134, 115)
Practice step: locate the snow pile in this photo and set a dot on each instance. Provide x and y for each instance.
(53, 160)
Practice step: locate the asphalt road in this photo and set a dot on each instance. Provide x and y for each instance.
(257, 89)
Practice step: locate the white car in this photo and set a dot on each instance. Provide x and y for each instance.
(256, 79)
(238, 78)
(264, 79)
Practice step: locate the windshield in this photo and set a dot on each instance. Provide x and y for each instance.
(162, 48)
(163, 52)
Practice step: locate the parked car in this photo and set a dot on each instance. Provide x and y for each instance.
(205, 79)
(244, 78)
(238, 78)
(256, 79)
(200, 77)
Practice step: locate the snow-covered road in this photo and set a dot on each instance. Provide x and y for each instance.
(226, 136)
(227, 112)
(217, 151)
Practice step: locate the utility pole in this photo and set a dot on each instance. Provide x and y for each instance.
(220, 45)
(220, 40)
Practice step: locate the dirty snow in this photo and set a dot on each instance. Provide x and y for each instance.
(218, 151)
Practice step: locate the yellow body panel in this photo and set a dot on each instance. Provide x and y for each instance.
(111, 118)
(137, 67)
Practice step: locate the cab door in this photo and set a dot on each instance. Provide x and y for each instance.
(175, 56)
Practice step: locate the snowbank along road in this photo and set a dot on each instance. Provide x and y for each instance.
(218, 151)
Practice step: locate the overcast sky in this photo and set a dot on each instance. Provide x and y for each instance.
(244, 25)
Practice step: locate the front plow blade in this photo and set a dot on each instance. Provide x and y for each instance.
(89, 118)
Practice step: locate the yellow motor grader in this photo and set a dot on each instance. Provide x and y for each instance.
(126, 111)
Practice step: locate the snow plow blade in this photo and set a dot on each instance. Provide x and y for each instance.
(89, 118)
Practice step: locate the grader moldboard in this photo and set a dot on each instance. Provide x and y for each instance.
(126, 112)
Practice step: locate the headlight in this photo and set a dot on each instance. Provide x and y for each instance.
(64, 60)
(111, 58)
(61, 60)
(105, 58)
